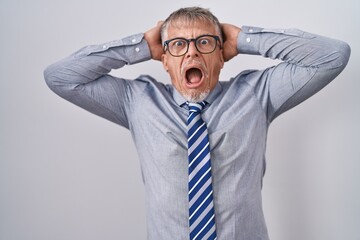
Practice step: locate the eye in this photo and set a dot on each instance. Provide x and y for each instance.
(203, 41)
(178, 43)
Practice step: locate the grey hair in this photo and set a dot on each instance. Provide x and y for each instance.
(190, 14)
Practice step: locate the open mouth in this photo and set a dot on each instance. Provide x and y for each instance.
(194, 77)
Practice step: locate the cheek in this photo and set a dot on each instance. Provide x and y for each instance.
(173, 73)
(215, 65)
(174, 68)
(216, 68)
(169, 63)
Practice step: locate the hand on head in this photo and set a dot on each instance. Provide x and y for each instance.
(230, 35)
(153, 38)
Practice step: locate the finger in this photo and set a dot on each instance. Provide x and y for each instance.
(160, 23)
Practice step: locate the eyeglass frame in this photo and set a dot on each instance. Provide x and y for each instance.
(189, 40)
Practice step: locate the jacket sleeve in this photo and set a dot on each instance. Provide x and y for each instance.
(83, 77)
(308, 63)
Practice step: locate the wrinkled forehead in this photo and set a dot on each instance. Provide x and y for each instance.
(190, 20)
(185, 24)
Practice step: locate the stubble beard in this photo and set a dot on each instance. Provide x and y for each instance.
(196, 96)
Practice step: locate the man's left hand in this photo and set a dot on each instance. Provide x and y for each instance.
(230, 35)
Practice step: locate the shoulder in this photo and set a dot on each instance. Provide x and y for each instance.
(243, 78)
(147, 82)
(147, 85)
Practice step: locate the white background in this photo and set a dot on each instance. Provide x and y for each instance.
(69, 175)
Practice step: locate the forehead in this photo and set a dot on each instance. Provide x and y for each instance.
(191, 29)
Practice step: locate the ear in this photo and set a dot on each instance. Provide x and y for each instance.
(164, 62)
(221, 58)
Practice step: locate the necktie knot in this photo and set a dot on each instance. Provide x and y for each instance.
(196, 107)
(195, 111)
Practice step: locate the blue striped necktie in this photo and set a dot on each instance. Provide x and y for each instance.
(201, 206)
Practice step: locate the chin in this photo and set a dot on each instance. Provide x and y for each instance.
(196, 96)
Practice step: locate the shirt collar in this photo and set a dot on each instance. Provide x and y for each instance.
(180, 100)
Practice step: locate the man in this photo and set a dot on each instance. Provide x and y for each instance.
(202, 177)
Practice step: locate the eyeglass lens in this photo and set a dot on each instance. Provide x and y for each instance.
(204, 44)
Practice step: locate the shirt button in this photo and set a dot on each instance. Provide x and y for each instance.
(248, 39)
(282, 31)
(137, 49)
(104, 46)
(133, 40)
(251, 30)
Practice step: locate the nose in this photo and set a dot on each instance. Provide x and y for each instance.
(192, 51)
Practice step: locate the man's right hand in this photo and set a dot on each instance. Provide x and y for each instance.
(153, 38)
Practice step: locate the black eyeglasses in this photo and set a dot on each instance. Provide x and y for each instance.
(204, 44)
